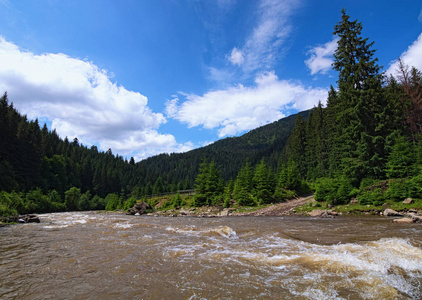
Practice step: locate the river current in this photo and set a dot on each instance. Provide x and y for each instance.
(110, 256)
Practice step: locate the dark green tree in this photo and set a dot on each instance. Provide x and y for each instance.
(263, 183)
(201, 184)
(209, 185)
(401, 160)
(290, 178)
(359, 140)
(243, 186)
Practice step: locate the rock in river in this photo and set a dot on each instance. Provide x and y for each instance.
(139, 208)
(403, 220)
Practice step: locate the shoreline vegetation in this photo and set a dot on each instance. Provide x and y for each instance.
(407, 211)
(361, 153)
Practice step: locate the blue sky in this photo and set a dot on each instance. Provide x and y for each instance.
(152, 76)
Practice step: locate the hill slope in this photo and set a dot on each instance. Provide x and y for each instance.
(229, 154)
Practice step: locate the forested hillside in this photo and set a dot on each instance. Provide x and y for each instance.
(266, 142)
(365, 144)
(45, 173)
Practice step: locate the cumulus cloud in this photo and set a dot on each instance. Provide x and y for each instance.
(239, 108)
(262, 46)
(411, 57)
(321, 57)
(81, 101)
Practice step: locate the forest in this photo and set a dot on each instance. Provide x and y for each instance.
(364, 144)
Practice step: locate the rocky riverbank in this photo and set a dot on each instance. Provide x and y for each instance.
(305, 206)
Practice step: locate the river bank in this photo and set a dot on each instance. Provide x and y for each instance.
(301, 206)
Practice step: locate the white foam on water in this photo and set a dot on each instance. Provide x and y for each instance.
(67, 219)
(381, 269)
(224, 231)
(123, 225)
(55, 226)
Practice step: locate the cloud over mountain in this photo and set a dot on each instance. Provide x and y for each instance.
(80, 100)
(239, 108)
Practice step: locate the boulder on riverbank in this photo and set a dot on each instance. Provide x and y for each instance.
(225, 212)
(391, 213)
(140, 208)
(319, 213)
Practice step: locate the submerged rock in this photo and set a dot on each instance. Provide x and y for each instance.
(403, 220)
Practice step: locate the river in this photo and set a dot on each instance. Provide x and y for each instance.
(87, 255)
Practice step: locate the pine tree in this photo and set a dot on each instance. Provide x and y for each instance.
(263, 183)
(209, 185)
(359, 143)
(214, 184)
(290, 178)
(242, 192)
(401, 160)
(201, 183)
(316, 154)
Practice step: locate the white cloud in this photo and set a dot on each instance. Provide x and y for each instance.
(171, 106)
(411, 57)
(81, 101)
(239, 108)
(321, 57)
(420, 16)
(262, 47)
(236, 57)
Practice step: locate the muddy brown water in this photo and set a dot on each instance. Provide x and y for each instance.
(102, 256)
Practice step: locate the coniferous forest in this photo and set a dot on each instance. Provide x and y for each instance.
(365, 143)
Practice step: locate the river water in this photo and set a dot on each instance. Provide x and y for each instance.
(105, 256)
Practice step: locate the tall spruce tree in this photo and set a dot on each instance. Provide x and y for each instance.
(243, 186)
(263, 183)
(316, 144)
(359, 140)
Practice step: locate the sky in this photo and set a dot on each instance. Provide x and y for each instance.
(161, 76)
